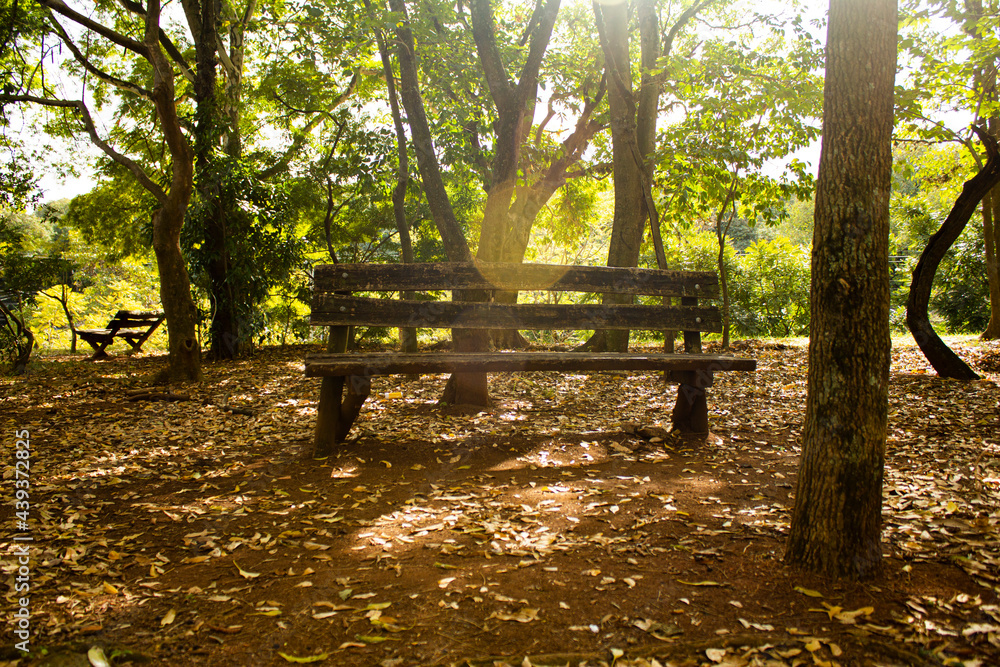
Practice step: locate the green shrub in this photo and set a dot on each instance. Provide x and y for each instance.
(769, 291)
(768, 282)
(961, 288)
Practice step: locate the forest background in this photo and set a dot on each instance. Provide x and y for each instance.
(289, 120)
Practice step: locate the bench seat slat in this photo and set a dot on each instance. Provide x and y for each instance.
(328, 365)
(333, 310)
(485, 276)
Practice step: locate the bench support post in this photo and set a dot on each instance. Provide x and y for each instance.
(336, 413)
(328, 416)
(99, 351)
(691, 409)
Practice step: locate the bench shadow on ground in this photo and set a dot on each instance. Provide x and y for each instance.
(484, 531)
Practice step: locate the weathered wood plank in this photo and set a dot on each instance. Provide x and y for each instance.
(452, 275)
(332, 310)
(327, 365)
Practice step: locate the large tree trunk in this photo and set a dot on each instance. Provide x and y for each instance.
(836, 523)
(942, 358)
(633, 136)
(529, 201)
(175, 286)
(464, 388)
(407, 335)
(986, 88)
(175, 295)
(991, 236)
(515, 104)
(502, 232)
(630, 209)
(214, 123)
(648, 111)
(452, 236)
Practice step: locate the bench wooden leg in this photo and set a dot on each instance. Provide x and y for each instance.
(359, 388)
(691, 409)
(99, 352)
(137, 340)
(336, 412)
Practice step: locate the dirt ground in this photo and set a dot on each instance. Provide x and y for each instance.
(561, 527)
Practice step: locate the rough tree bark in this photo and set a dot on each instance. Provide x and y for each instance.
(633, 134)
(986, 85)
(407, 336)
(217, 121)
(225, 339)
(942, 358)
(630, 207)
(465, 388)
(836, 522)
(175, 286)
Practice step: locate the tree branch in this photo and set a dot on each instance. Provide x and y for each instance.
(668, 39)
(95, 138)
(536, 50)
(942, 358)
(484, 34)
(9, 28)
(306, 130)
(224, 58)
(501, 87)
(957, 137)
(93, 69)
(165, 41)
(113, 36)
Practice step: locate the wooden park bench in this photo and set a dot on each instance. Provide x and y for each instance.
(334, 305)
(134, 327)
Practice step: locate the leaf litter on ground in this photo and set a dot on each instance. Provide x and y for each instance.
(568, 521)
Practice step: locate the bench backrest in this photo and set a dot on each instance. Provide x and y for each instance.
(128, 319)
(333, 304)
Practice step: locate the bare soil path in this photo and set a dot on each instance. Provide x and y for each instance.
(561, 527)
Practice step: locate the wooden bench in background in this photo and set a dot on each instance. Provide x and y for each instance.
(333, 305)
(132, 326)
